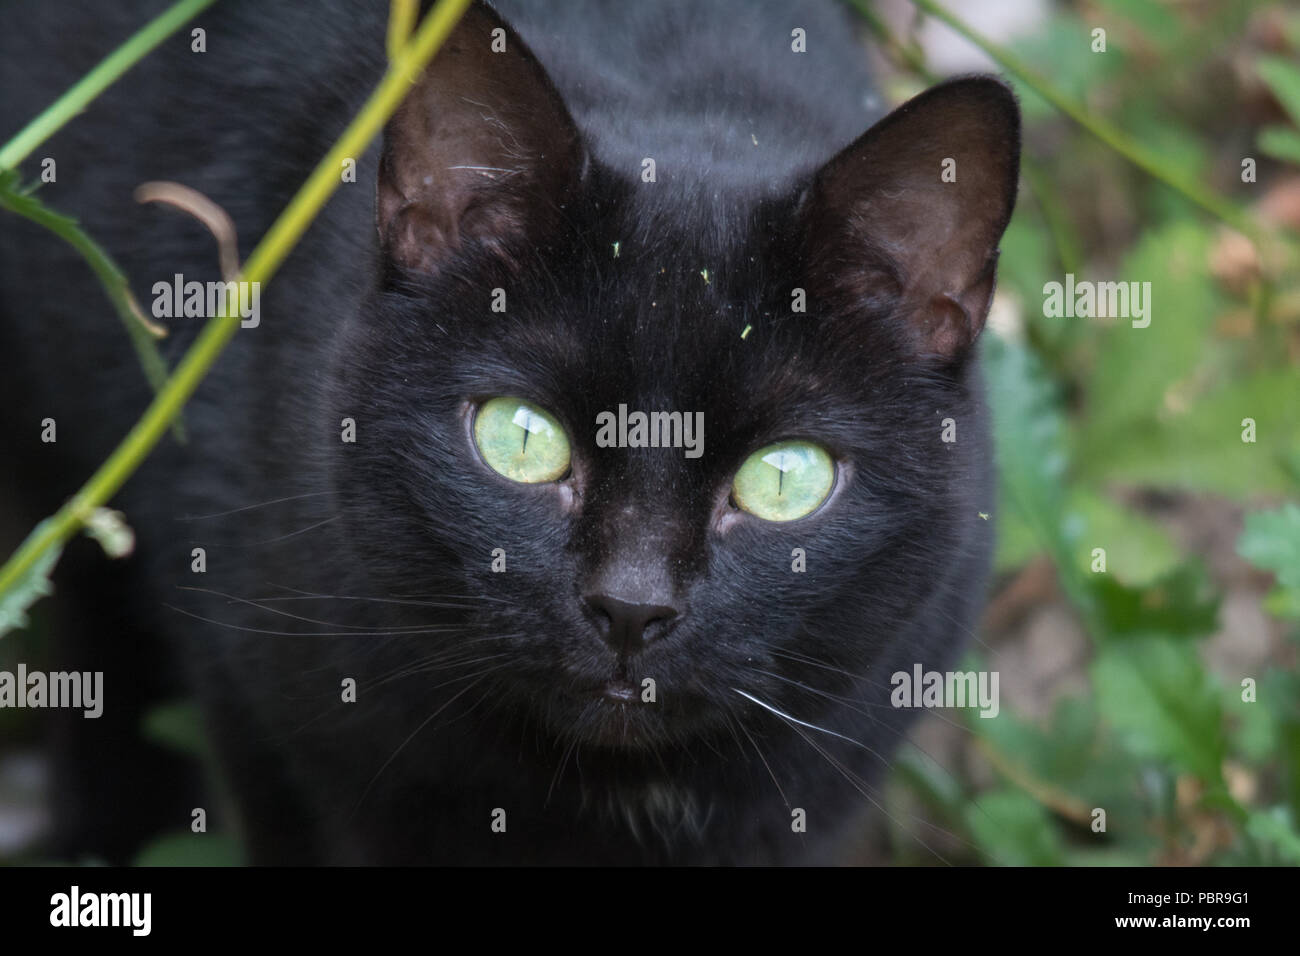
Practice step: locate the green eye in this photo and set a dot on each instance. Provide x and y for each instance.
(521, 441)
(784, 481)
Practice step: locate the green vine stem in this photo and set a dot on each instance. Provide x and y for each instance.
(262, 264)
(97, 80)
(138, 326)
(1113, 137)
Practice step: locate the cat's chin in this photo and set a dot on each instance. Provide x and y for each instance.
(616, 717)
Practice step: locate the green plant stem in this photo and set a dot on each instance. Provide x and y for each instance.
(401, 20)
(262, 264)
(1113, 137)
(904, 54)
(141, 331)
(96, 81)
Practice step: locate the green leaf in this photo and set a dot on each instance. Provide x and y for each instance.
(1138, 551)
(1029, 436)
(1276, 829)
(1179, 604)
(30, 588)
(937, 788)
(192, 849)
(1017, 544)
(1283, 604)
(1071, 754)
(922, 792)
(1156, 693)
(1258, 726)
(1271, 540)
(1283, 78)
(1281, 142)
(1025, 261)
(1199, 448)
(1012, 829)
(1136, 367)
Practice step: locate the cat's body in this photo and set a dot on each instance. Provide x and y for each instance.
(477, 691)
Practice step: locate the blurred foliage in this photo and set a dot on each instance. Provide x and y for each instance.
(1095, 416)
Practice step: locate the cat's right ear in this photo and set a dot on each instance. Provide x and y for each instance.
(482, 150)
(909, 216)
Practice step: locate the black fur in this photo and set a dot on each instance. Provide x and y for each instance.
(372, 560)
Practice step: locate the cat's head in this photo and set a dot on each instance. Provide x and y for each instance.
(822, 328)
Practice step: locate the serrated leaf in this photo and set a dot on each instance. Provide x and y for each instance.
(1159, 697)
(30, 588)
(1136, 367)
(1029, 435)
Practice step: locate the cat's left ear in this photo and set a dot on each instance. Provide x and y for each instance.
(482, 150)
(912, 212)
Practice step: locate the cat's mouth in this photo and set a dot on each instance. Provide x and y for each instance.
(619, 690)
(624, 713)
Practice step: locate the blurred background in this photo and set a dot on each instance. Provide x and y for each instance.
(1145, 614)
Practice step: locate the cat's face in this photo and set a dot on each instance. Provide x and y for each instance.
(628, 597)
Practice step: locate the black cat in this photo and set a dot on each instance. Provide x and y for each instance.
(438, 620)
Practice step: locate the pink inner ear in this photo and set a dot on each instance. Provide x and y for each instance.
(417, 239)
(474, 112)
(883, 219)
(946, 327)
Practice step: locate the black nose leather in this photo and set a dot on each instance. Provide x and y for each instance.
(627, 628)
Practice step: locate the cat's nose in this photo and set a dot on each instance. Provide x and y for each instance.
(628, 627)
